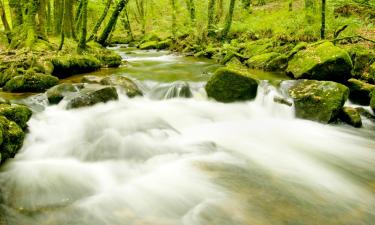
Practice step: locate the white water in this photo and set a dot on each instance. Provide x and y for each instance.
(189, 161)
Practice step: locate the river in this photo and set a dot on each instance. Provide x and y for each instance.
(187, 161)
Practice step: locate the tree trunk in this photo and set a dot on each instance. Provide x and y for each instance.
(67, 19)
(174, 28)
(323, 28)
(49, 17)
(191, 8)
(112, 21)
(228, 20)
(220, 10)
(57, 15)
(4, 17)
(16, 13)
(42, 19)
(100, 21)
(125, 20)
(211, 14)
(62, 37)
(31, 9)
(82, 40)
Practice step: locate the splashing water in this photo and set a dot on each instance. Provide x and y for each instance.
(189, 161)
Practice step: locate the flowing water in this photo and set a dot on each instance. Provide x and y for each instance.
(189, 161)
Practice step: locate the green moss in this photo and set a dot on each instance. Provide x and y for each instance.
(321, 62)
(362, 61)
(149, 45)
(67, 65)
(261, 61)
(351, 116)
(253, 48)
(372, 72)
(229, 85)
(17, 113)
(58, 92)
(12, 136)
(92, 96)
(318, 100)
(109, 59)
(360, 91)
(31, 83)
(300, 46)
(7, 75)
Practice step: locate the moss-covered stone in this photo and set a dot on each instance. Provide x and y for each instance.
(148, 45)
(318, 100)
(280, 63)
(31, 83)
(65, 66)
(164, 44)
(351, 116)
(93, 95)
(125, 83)
(253, 48)
(91, 79)
(322, 61)
(300, 46)
(261, 61)
(229, 85)
(58, 92)
(7, 75)
(362, 60)
(12, 138)
(17, 113)
(109, 59)
(360, 91)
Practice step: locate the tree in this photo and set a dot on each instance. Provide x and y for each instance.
(112, 21)
(100, 21)
(174, 28)
(4, 20)
(141, 6)
(229, 18)
(82, 40)
(211, 15)
(323, 28)
(191, 8)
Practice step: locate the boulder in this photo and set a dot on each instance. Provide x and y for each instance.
(351, 116)
(318, 100)
(58, 92)
(90, 79)
(322, 61)
(92, 95)
(362, 63)
(264, 61)
(360, 91)
(229, 85)
(31, 83)
(65, 66)
(177, 89)
(17, 113)
(123, 82)
(148, 45)
(109, 59)
(12, 137)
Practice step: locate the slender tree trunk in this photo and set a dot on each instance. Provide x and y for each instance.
(229, 18)
(42, 19)
(32, 7)
(174, 28)
(77, 20)
(57, 15)
(62, 37)
(191, 8)
(219, 13)
(211, 14)
(112, 21)
(126, 23)
(67, 19)
(49, 17)
(16, 13)
(82, 40)
(323, 28)
(4, 17)
(100, 21)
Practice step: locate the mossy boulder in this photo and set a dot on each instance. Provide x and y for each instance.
(92, 95)
(298, 47)
(109, 59)
(164, 44)
(17, 113)
(65, 66)
(360, 91)
(148, 45)
(351, 116)
(59, 92)
(261, 61)
(229, 85)
(31, 83)
(318, 100)
(362, 63)
(91, 79)
(253, 48)
(123, 82)
(8, 74)
(177, 89)
(12, 137)
(322, 61)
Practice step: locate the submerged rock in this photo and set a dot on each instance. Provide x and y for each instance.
(31, 83)
(65, 66)
(58, 92)
(360, 91)
(92, 95)
(177, 89)
(351, 116)
(318, 100)
(323, 61)
(123, 82)
(228, 85)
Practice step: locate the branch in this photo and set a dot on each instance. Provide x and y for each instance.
(351, 37)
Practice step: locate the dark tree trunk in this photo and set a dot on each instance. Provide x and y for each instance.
(100, 21)
(174, 24)
(191, 8)
(42, 20)
(62, 37)
(82, 40)
(16, 12)
(228, 20)
(323, 28)
(211, 16)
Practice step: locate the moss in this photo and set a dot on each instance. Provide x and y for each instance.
(351, 116)
(149, 45)
(109, 59)
(300, 46)
(322, 61)
(318, 100)
(360, 91)
(280, 63)
(7, 75)
(89, 97)
(372, 72)
(12, 138)
(261, 61)
(126, 83)
(372, 102)
(65, 66)
(58, 92)
(31, 83)
(362, 60)
(254, 48)
(17, 113)
(229, 85)
(164, 44)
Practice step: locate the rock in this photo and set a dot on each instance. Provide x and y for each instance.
(229, 85)
(126, 83)
(164, 44)
(282, 101)
(92, 95)
(7, 75)
(321, 62)
(372, 102)
(17, 113)
(258, 47)
(109, 59)
(177, 89)
(65, 66)
(318, 100)
(90, 79)
(351, 116)
(12, 137)
(300, 46)
(362, 60)
(31, 83)
(360, 92)
(261, 61)
(366, 113)
(58, 92)
(372, 72)
(148, 45)
(280, 63)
